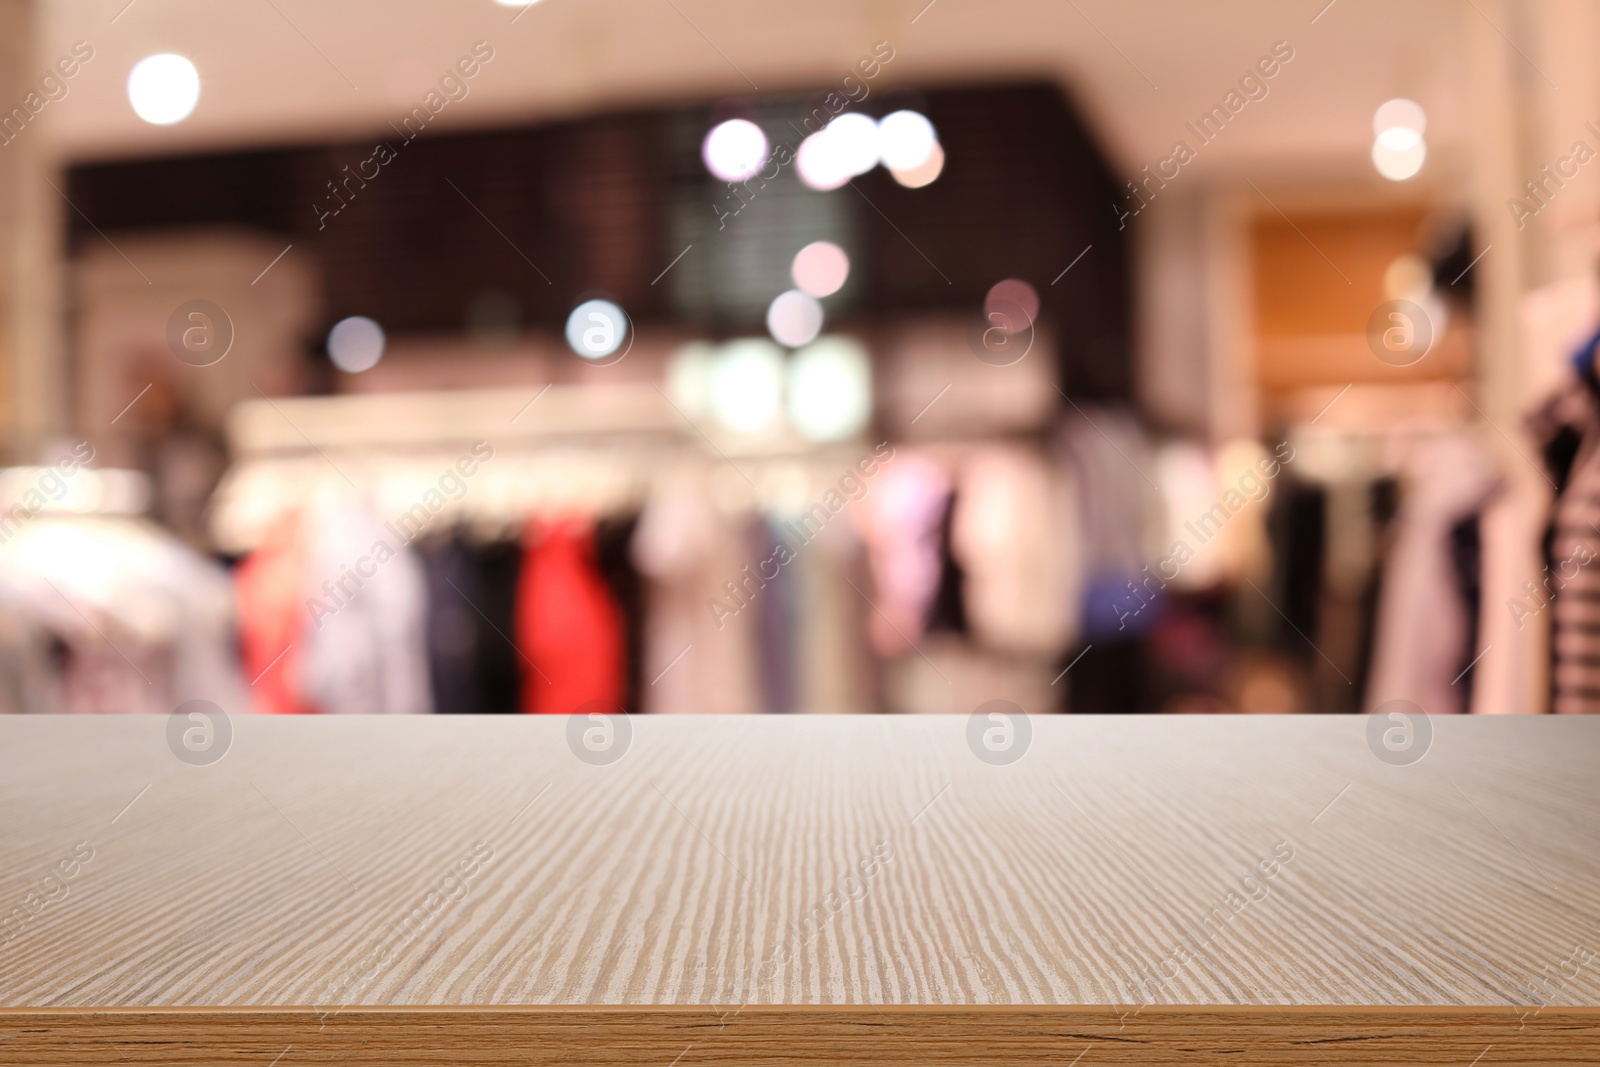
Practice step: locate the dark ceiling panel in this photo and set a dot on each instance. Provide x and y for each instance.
(418, 234)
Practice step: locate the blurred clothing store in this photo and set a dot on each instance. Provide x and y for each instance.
(490, 357)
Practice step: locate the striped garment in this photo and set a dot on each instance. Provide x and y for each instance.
(1574, 574)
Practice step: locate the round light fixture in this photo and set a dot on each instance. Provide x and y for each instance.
(355, 344)
(821, 163)
(163, 89)
(1398, 153)
(596, 329)
(830, 389)
(820, 268)
(1406, 114)
(917, 177)
(905, 140)
(794, 318)
(734, 150)
(855, 138)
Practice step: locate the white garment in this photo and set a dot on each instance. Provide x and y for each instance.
(1553, 321)
(695, 660)
(1122, 511)
(1513, 678)
(1420, 645)
(147, 622)
(835, 668)
(1015, 534)
(366, 648)
(899, 519)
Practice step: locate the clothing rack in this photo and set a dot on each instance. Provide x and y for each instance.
(563, 449)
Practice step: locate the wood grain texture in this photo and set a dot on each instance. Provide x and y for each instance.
(801, 877)
(782, 1037)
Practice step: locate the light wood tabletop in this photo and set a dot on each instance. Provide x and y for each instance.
(821, 889)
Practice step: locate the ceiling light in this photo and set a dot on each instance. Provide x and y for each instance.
(1398, 153)
(917, 177)
(821, 163)
(1399, 139)
(163, 89)
(856, 138)
(820, 268)
(794, 318)
(734, 150)
(1402, 113)
(355, 344)
(905, 140)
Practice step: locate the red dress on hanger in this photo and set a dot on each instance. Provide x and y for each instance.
(569, 629)
(269, 587)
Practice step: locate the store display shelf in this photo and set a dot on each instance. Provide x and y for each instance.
(779, 889)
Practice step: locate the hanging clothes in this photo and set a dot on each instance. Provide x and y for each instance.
(1015, 533)
(268, 586)
(30, 678)
(452, 625)
(900, 520)
(1575, 643)
(569, 630)
(497, 568)
(777, 618)
(835, 669)
(700, 644)
(133, 620)
(1423, 631)
(613, 541)
(1121, 515)
(366, 644)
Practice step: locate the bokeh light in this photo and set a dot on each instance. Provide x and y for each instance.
(917, 177)
(794, 318)
(820, 268)
(821, 163)
(734, 150)
(355, 344)
(163, 89)
(830, 389)
(1400, 113)
(746, 385)
(905, 140)
(1012, 305)
(1398, 148)
(1398, 153)
(855, 138)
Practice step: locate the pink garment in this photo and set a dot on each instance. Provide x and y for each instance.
(1014, 532)
(899, 519)
(1422, 624)
(697, 659)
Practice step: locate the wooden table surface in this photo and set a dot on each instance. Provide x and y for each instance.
(815, 889)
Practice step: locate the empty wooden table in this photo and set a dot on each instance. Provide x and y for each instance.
(765, 890)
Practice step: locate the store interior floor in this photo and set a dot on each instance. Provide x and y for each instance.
(899, 357)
